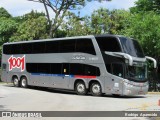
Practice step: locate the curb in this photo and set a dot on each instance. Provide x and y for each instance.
(156, 93)
(2, 83)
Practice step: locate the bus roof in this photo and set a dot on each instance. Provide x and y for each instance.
(65, 38)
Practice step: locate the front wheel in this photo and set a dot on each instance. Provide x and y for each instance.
(80, 88)
(96, 89)
(24, 82)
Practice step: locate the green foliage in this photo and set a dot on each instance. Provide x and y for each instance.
(100, 21)
(76, 26)
(7, 28)
(105, 21)
(4, 13)
(146, 29)
(31, 29)
(59, 8)
(146, 5)
(32, 15)
(60, 33)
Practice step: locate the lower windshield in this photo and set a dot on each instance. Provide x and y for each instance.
(137, 73)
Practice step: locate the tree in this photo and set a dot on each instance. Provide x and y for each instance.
(7, 27)
(59, 7)
(4, 13)
(146, 5)
(146, 29)
(105, 21)
(32, 15)
(32, 26)
(75, 25)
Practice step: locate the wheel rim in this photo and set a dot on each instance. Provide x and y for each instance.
(80, 88)
(96, 89)
(15, 81)
(24, 82)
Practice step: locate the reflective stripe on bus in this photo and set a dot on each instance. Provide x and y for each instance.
(63, 75)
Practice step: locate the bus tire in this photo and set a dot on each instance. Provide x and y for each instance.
(96, 89)
(16, 82)
(80, 88)
(23, 82)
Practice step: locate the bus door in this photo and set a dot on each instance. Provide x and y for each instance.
(66, 78)
(62, 80)
(4, 73)
(117, 78)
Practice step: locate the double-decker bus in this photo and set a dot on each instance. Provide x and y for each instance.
(101, 64)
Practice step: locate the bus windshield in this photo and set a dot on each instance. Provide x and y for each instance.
(137, 73)
(131, 47)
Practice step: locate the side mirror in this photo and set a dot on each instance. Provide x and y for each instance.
(153, 60)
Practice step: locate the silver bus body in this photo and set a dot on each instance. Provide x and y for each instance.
(110, 69)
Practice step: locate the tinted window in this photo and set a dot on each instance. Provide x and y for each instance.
(117, 69)
(67, 46)
(38, 47)
(52, 47)
(82, 69)
(63, 46)
(108, 67)
(91, 70)
(65, 69)
(132, 47)
(16, 48)
(43, 68)
(56, 68)
(85, 46)
(48, 68)
(76, 69)
(110, 44)
(7, 49)
(26, 48)
(31, 67)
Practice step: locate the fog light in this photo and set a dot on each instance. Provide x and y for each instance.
(128, 91)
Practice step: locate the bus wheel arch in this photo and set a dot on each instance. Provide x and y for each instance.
(95, 88)
(15, 81)
(23, 81)
(80, 87)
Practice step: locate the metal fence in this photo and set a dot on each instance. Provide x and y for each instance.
(154, 81)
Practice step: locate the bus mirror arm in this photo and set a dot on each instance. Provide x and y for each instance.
(126, 56)
(153, 60)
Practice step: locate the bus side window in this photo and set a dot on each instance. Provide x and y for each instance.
(67, 46)
(76, 69)
(108, 67)
(56, 68)
(91, 70)
(85, 46)
(117, 69)
(65, 69)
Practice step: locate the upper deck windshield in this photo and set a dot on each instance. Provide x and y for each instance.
(120, 44)
(131, 47)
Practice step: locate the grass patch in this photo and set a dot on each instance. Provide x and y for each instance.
(4, 83)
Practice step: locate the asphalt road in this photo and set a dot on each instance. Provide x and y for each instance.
(40, 99)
